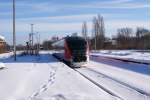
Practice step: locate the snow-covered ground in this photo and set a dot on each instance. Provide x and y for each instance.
(133, 55)
(136, 76)
(112, 85)
(5, 56)
(45, 78)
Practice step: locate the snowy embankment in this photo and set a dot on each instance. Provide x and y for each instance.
(2, 66)
(6, 55)
(115, 87)
(130, 75)
(43, 77)
(3, 56)
(131, 55)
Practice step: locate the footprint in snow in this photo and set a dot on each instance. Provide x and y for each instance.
(2, 66)
(59, 97)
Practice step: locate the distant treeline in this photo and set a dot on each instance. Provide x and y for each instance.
(125, 38)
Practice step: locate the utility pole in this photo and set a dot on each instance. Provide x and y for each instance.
(30, 48)
(14, 30)
(32, 45)
(32, 32)
(39, 39)
(95, 42)
(38, 43)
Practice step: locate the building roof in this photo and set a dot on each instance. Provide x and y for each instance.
(2, 38)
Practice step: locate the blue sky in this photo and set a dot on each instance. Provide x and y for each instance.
(61, 17)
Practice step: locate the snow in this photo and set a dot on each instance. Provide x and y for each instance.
(135, 75)
(2, 66)
(8, 55)
(113, 86)
(44, 78)
(132, 55)
(5, 56)
(71, 86)
(1, 37)
(21, 78)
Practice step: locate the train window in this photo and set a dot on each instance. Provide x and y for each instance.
(76, 43)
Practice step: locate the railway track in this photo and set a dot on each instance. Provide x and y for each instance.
(134, 89)
(109, 91)
(124, 60)
(125, 84)
(98, 85)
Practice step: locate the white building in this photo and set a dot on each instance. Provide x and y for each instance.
(1, 37)
(2, 44)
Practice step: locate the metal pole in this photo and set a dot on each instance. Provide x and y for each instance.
(14, 30)
(30, 48)
(39, 41)
(32, 45)
(95, 42)
(37, 46)
(32, 32)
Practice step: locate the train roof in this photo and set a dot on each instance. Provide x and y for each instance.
(75, 43)
(75, 38)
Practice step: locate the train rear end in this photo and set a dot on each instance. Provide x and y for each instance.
(79, 50)
(72, 50)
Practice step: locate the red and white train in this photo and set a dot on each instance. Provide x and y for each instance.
(76, 49)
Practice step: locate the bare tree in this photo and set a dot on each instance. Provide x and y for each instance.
(95, 33)
(99, 32)
(124, 38)
(142, 38)
(84, 30)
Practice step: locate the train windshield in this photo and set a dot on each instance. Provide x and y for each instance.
(76, 43)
